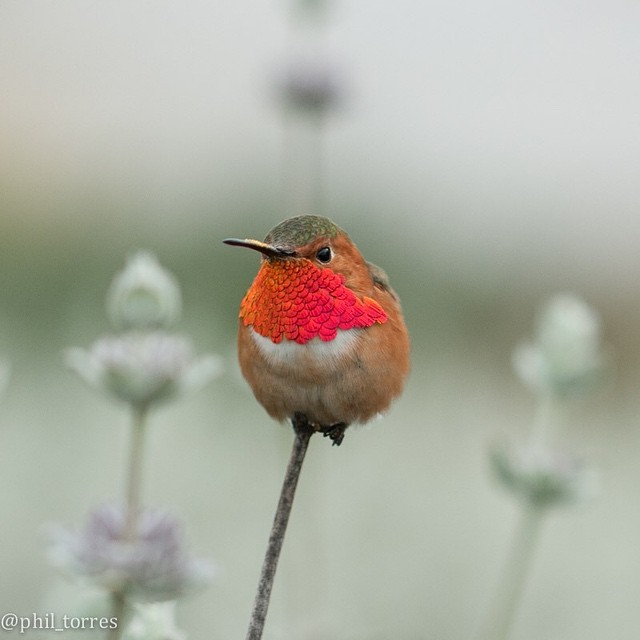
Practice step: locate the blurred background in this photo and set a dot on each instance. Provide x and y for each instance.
(486, 155)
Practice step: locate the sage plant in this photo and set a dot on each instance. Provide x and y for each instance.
(138, 555)
(309, 85)
(564, 361)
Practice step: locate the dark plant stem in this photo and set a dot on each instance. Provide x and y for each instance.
(303, 432)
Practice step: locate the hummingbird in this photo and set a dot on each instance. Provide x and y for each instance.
(321, 335)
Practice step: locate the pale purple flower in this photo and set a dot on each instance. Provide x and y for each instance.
(311, 85)
(150, 564)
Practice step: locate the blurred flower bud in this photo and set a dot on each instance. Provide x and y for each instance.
(154, 621)
(143, 368)
(310, 86)
(152, 565)
(566, 356)
(143, 296)
(543, 477)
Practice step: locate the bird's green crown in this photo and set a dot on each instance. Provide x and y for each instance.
(298, 231)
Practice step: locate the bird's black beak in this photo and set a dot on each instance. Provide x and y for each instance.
(264, 248)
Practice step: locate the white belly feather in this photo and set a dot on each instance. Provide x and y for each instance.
(288, 351)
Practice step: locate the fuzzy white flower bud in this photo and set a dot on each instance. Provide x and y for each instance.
(565, 356)
(143, 296)
(543, 477)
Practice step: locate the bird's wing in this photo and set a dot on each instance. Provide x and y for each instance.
(381, 279)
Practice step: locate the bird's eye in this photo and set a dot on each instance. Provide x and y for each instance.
(324, 255)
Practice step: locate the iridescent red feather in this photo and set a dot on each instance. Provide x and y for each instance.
(295, 300)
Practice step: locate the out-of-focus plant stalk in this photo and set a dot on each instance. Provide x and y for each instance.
(118, 607)
(545, 420)
(303, 164)
(133, 484)
(134, 474)
(309, 88)
(564, 360)
(510, 589)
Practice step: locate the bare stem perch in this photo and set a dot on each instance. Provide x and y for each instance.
(303, 431)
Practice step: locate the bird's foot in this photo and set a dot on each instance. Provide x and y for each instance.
(335, 432)
(301, 423)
